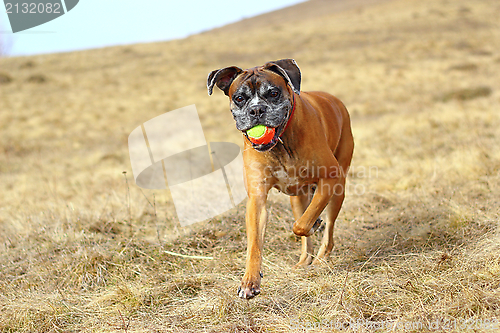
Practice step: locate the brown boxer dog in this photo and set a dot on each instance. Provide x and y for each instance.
(308, 157)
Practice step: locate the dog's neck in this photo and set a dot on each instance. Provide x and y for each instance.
(290, 115)
(285, 148)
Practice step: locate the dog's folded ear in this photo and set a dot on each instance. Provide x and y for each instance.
(289, 70)
(223, 78)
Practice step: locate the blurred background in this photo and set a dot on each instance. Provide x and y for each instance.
(106, 23)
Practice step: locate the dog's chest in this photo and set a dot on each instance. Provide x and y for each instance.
(292, 179)
(285, 178)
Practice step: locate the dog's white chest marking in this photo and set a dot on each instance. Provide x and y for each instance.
(285, 178)
(287, 182)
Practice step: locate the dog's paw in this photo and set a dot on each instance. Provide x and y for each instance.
(319, 262)
(299, 231)
(303, 263)
(249, 289)
(322, 226)
(317, 226)
(248, 292)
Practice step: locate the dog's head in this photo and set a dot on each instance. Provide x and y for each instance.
(261, 95)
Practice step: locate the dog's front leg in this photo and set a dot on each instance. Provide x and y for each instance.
(256, 220)
(307, 224)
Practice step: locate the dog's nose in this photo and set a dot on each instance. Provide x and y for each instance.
(257, 110)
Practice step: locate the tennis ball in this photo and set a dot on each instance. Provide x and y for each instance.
(257, 131)
(261, 134)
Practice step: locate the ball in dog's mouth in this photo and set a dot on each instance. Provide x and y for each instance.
(261, 134)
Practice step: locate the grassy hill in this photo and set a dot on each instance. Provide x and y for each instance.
(417, 242)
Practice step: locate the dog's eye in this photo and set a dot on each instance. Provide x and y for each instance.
(274, 93)
(239, 99)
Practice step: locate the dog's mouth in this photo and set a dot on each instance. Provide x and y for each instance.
(278, 131)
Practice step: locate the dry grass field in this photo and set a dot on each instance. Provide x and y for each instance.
(82, 248)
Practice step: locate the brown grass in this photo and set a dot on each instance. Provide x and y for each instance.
(416, 242)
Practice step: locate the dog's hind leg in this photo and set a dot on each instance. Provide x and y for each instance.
(332, 211)
(344, 157)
